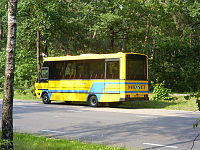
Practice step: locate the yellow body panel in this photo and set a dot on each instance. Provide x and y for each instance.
(79, 90)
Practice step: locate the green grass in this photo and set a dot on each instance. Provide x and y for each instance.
(26, 96)
(24, 141)
(179, 104)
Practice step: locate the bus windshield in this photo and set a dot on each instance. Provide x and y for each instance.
(136, 67)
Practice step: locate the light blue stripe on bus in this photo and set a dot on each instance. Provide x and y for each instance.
(134, 92)
(97, 87)
(134, 83)
(124, 83)
(68, 91)
(49, 94)
(110, 92)
(85, 91)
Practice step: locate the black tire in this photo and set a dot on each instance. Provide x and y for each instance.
(46, 99)
(113, 104)
(93, 101)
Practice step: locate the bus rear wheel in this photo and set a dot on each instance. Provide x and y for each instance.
(46, 99)
(93, 101)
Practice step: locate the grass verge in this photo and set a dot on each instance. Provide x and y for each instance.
(23, 141)
(178, 104)
(27, 96)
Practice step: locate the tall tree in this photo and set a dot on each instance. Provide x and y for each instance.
(1, 29)
(38, 52)
(7, 107)
(1, 32)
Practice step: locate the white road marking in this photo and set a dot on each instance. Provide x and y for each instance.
(146, 116)
(51, 131)
(74, 110)
(21, 106)
(160, 145)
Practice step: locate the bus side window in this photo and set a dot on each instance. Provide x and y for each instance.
(96, 69)
(112, 70)
(70, 70)
(56, 69)
(80, 71)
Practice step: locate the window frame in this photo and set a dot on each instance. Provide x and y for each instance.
(44, 68)
(77, 74)
(112, 60)
(137, 57)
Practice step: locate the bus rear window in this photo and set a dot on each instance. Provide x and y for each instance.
(136, 67)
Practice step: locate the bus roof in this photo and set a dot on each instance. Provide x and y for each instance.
(89, 56)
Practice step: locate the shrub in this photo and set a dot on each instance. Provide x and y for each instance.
(161, 93)
(197, 96)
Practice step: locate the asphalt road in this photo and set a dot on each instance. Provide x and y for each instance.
(132, 128)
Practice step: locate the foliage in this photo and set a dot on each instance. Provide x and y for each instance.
(167, 31)
(196, 96)
(6, 144)
(196, 123)
(161, 93)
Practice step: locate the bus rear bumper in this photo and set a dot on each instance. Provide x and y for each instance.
(134, 99)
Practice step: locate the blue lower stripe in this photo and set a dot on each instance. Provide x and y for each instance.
(134, 83)
(134, 92)
(68, 91)
(125, 83)
(85, 91)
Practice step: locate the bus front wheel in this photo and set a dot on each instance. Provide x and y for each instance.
(93, 101)
(46, 99)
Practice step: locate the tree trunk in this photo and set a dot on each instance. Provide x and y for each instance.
(1, 33)
(7, 107)
(191, 40)
(148, 29)
(46, 47)
(1, 30)
(124, 42)
(112, 38)
(38, 52)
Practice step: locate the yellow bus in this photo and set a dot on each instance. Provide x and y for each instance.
(94, 78)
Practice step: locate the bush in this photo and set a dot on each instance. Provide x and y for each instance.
(161, 93)
(197, 96)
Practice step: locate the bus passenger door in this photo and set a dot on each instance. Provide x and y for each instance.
(112, 82)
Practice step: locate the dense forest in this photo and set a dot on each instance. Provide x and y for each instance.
(168, 31)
